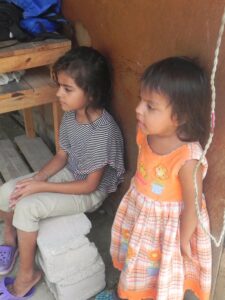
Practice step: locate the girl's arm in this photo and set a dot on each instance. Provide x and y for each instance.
(52, 167)
(33, 184)
(189, 219)
(86, 186)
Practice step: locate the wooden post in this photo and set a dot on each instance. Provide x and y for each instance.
(57, 114)
(29, 123)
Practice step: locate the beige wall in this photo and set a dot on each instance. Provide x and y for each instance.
(133, 34)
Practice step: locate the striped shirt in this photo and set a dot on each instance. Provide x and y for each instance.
(93, 146)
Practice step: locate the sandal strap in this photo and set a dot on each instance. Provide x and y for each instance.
(6, 295)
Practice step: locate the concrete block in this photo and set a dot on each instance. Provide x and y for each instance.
(59, 266)
(80, 285)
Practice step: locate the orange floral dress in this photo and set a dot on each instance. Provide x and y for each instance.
(146, 231)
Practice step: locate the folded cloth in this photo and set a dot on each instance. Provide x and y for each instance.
(80, 285)
(59, 233)
(5, 78)
(61, 265)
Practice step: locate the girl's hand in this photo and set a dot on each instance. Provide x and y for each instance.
(186, 250)
(24, 188)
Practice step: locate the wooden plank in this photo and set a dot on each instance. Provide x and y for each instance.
(31, 60)
(11, 163)
(28, 123)
(31, 57)
(20, 101)
(9, 127)
(22, 48)
(34, 150)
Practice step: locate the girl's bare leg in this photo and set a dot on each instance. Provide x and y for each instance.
(27, 276)
(9, 232)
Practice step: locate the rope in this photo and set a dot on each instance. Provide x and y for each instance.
(218, 241)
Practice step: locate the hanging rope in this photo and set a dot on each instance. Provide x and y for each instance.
(212, 126)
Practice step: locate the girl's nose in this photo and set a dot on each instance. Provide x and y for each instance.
(59, 92)
(139, 108)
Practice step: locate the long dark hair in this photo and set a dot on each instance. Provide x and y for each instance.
(186, 84)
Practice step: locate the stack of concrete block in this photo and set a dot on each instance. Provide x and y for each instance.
(72, 265)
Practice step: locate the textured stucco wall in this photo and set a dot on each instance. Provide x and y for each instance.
(135, 33)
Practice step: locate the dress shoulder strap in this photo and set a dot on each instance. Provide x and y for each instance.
(194, 151)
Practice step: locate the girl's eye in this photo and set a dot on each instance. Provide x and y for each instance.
(150, 107)
(68, 90)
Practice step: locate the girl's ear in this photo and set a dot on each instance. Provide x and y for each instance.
(181, 122)
(90, 100)
(175, 120)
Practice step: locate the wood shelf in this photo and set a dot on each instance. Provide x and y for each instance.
(35, 88)
(33, 54)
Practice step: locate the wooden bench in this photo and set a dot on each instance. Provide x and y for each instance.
(36, 87)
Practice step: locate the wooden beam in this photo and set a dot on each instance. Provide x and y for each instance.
(30, 55)
(24, 48)
(27, 99)
(29, 123)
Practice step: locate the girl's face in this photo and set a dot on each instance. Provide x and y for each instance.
(71, 96)
(154, 114)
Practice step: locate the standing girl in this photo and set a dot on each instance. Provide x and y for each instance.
(157, 241)
(88, 166)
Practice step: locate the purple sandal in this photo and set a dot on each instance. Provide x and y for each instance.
(8, 255)
(5, 294)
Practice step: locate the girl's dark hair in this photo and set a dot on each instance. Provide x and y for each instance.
(90, 71)
(185, 83)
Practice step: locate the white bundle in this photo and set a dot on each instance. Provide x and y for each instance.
(62, 245)
(62, 265)
(72, 266)
(58, 233)
(81, 285)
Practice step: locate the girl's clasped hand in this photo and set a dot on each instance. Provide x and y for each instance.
(25, 188)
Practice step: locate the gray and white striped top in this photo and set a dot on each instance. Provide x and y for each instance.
(93, 146)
